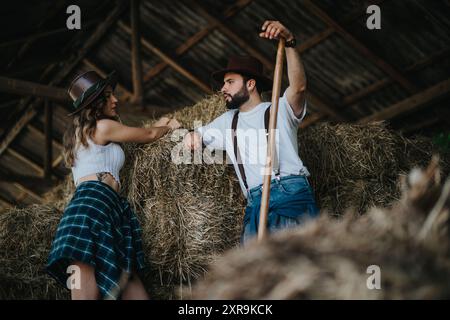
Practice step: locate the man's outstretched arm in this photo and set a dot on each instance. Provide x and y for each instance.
(296, 92)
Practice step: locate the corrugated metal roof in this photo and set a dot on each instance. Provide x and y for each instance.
(414, 39)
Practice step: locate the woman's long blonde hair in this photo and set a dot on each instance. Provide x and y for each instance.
(82, 127)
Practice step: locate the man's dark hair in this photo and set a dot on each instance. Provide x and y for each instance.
(246, 78)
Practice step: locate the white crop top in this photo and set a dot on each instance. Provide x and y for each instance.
(98, 158)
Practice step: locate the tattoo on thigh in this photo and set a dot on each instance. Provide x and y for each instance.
(101, 176)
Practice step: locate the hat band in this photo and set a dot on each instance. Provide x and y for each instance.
(88, 92)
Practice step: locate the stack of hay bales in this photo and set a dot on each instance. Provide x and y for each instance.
(401, 253)
(357, 166)
(25, 241)
(191, 213)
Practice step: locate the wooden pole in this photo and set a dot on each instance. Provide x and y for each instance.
(278, 76)
(48, 141)
(136, 61)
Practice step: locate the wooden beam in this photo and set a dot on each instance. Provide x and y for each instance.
(157, 69)
(172, 63)
(314, 40)
(24, 179)
(417, 65)
(48, 140)
(41, 135)
(410, 103)
(58, 160)
(21, 87)
(190, 42)
(382, 64)
(29, 192)
(27, 161)
(136, 62)
(326, 109)
(15, 130)
(350, 99)
(62, 73)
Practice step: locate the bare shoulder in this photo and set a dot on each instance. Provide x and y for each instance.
(103, 129)
(104, 125)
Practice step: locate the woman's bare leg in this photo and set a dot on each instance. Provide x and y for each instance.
(88, 286)
(135, 290)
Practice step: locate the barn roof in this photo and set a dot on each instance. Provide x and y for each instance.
(399, 73)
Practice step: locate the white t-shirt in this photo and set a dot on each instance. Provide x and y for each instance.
(252, 141)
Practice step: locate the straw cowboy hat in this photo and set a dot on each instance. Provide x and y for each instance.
(87, 86)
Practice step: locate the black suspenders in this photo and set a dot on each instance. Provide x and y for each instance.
(237, 153)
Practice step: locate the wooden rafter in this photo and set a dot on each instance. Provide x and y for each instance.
(350, 99)
(24, 179)
(31, 193)
(37, 167)
(21, 87)
(16, 129)
(190, 42)
(411, 103)
(171, 62)
(381, 63)
(41, 135)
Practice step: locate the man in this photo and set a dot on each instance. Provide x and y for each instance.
(237, 130)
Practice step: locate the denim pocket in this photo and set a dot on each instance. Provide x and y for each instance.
(294, 187)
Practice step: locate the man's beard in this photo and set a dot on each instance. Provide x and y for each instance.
(238, 99)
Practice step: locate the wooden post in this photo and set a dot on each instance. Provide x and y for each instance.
(278, 77)
(136, 63)
(48, 141)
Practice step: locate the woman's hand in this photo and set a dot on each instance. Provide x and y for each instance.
(173, 124)
(161, 122)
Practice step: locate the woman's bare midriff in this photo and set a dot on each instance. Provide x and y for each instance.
(104, 177)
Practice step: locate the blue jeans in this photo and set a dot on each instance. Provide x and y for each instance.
(291, 203)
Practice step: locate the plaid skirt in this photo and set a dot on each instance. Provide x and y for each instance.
(98, 228)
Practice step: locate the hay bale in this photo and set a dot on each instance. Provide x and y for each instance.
(60, 195)
(329, 258)
(25, 241)
(358, 166)
(189, 212)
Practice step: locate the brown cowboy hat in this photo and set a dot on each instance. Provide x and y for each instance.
(245, 65)
(87, 86)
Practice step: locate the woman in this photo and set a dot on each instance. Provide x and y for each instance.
(97, 250)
